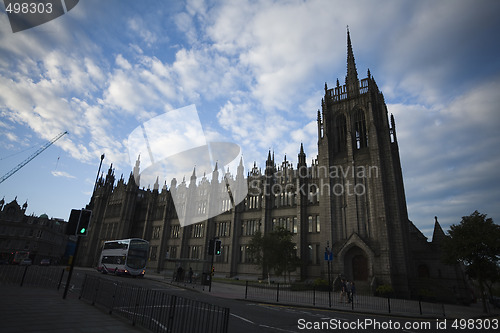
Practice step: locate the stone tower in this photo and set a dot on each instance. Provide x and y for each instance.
(361, 186)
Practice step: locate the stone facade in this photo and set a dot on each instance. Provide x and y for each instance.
(349, 199)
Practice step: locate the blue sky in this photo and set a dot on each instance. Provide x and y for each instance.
(255, 71)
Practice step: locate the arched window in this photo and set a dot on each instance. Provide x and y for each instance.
(341, 133)
(360, 134)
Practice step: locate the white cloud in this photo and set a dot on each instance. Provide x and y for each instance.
(123, 63)
(62, 174)
(447, 158)
(139, 27)
(257, 70)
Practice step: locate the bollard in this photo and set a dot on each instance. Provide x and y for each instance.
(24, 274)
(60, 280)
(171, 314)
(84, 284)
(114, 298)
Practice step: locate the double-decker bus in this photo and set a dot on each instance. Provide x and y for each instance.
(124, 257)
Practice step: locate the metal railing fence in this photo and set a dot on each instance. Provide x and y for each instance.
(35, 276)
(286, 294)
(154, 309)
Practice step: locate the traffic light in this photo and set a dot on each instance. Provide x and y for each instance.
(74, 217)
(218, 246)
(84, 223)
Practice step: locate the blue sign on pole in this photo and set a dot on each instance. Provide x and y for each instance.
(328, 255)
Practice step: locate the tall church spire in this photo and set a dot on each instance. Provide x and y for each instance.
(351, 79)
(137, 171)
(193, 176)
(302, 157)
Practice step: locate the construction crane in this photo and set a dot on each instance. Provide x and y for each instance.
(35, 154)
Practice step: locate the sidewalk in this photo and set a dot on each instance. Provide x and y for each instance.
(237, 291)
(219, 289)
(31, 309)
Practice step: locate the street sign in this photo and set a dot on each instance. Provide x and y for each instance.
(328, 255)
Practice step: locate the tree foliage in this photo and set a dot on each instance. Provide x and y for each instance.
(475, 242)
(274, 251)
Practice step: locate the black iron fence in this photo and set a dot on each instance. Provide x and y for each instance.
(154, 309)
(36, 276)
(290, 294)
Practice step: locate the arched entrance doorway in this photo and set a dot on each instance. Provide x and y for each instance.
(359, 268)
(356, 265)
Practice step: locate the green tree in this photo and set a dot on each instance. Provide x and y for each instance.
(475, 243)
(274, 251)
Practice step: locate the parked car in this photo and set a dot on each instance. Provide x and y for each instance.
(25, 262)
(45, 262)
(4, 262)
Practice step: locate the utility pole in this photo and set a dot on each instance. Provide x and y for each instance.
(78, 225)
(328, 259)
(91, 204)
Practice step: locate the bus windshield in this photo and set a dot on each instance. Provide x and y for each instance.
(137, 254)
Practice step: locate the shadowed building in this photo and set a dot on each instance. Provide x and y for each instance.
(29, 236)
(350, 198)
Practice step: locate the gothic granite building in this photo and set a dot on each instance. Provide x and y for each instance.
(350, 199)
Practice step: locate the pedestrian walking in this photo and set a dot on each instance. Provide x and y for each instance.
(342, 290)
(348, 291)
(190, 275)
(179, 274)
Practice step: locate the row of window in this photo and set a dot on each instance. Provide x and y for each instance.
(248, 227)
(31, 232)
(282, 199)
(244, 257)
(223, 229)
(197, 230)
(290, 224)
(156, 232)
(26, 245)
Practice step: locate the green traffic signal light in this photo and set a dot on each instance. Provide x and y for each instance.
(218, 247)
(84, 222)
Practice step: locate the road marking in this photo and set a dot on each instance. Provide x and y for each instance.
(244, 319)
(276, 328)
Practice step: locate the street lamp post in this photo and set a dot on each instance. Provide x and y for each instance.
(328, 259)
(91, 204)
(98, 171)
